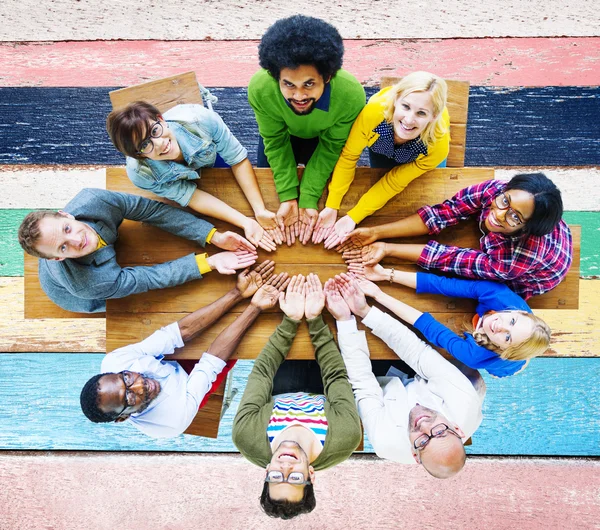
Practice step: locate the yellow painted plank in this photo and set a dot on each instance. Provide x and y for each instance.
(576, 333)
(18, 334)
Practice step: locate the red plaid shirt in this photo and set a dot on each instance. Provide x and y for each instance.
(529, 265)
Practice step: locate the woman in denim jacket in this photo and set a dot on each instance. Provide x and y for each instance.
(165, 153)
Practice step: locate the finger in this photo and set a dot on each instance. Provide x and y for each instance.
(303, 229)
(300, 282)
(353, 253)
(244, 243)
(285, 282)
(282, 299)
(276, 235)
(267, 243)
(292, 284)
(293, 234)
(278, 279)
(297, 227)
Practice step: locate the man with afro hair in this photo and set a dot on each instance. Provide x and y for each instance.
(305, 105)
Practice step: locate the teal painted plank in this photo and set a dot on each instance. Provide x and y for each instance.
(552, 408)
(11, 254)
(11, 257)
(590, 240)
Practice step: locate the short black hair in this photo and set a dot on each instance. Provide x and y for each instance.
(287, 509)
(299, 40)
(548, 208)
(89, 402)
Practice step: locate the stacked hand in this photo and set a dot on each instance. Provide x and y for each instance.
(324, 225)
(308, 218)
(258, 236)
(358, 238)
(353, 293)
(375, 273)
(268, 220)
(229, 262)
(368, 255)
(334, 301)
(287, 218)
(249, 281)
(340, 233)
(304, 296)
(268, 294)
(231, 241)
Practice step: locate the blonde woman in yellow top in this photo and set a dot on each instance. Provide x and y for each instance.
(407, 128)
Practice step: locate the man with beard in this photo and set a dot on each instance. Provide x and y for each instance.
(297, 417)
(424, 419)
(158, 397)
(305, 105)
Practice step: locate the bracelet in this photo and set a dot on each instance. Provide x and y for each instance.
(392, 276)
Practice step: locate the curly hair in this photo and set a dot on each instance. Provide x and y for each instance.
(127, 126)
(89, 402)
(287, 509)
(30, 233)
(421, 82)
(536, 344)
(548, 207)
(299, 40)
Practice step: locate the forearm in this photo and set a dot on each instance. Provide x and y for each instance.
(408, 252)
(199, 320)
(410, 226)
(228, 340)
(408, 279)
(400, 309)
(246, 178)
(207, 204)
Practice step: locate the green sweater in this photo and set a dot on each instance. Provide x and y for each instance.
(252, 418)
(276, 122)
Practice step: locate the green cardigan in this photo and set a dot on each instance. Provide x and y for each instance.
(276, 122)
(250, 424)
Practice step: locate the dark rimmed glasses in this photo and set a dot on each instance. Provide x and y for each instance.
(295, 477)
(130, 398)
(512, 217)
(147, 145)
(436, 431)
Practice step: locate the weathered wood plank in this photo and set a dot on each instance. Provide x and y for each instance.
(41, 489)
(32, 187)
(566, 61)
(549, 111)
(249, 20)
(574, 331)
(431, 188)
(520, 413)
(18, 334)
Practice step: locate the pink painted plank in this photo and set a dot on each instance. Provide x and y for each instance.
(484, 62)
(78, 490)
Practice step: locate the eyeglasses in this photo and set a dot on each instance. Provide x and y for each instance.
(130, 397)
(436, 431)
(512, 217)
(147, 145)
(296, 478)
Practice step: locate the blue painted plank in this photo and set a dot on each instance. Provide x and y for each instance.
(506, 126)
(552, 408)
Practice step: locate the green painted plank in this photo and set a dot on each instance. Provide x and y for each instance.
(590, 241)
(534, 413)
(11, 258)
(11, 254)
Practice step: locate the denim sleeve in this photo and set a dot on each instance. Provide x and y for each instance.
(180, 190)
(227, 144)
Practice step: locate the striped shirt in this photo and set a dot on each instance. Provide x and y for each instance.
(298, 408)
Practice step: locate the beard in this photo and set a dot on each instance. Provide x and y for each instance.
(308, 110)
(147, 399)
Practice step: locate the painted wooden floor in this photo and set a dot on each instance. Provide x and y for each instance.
(543, 126)
(563, 61)
(196, 492)
(533, 413)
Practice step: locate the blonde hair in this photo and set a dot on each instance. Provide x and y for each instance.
(421, 82)
(536, 344)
